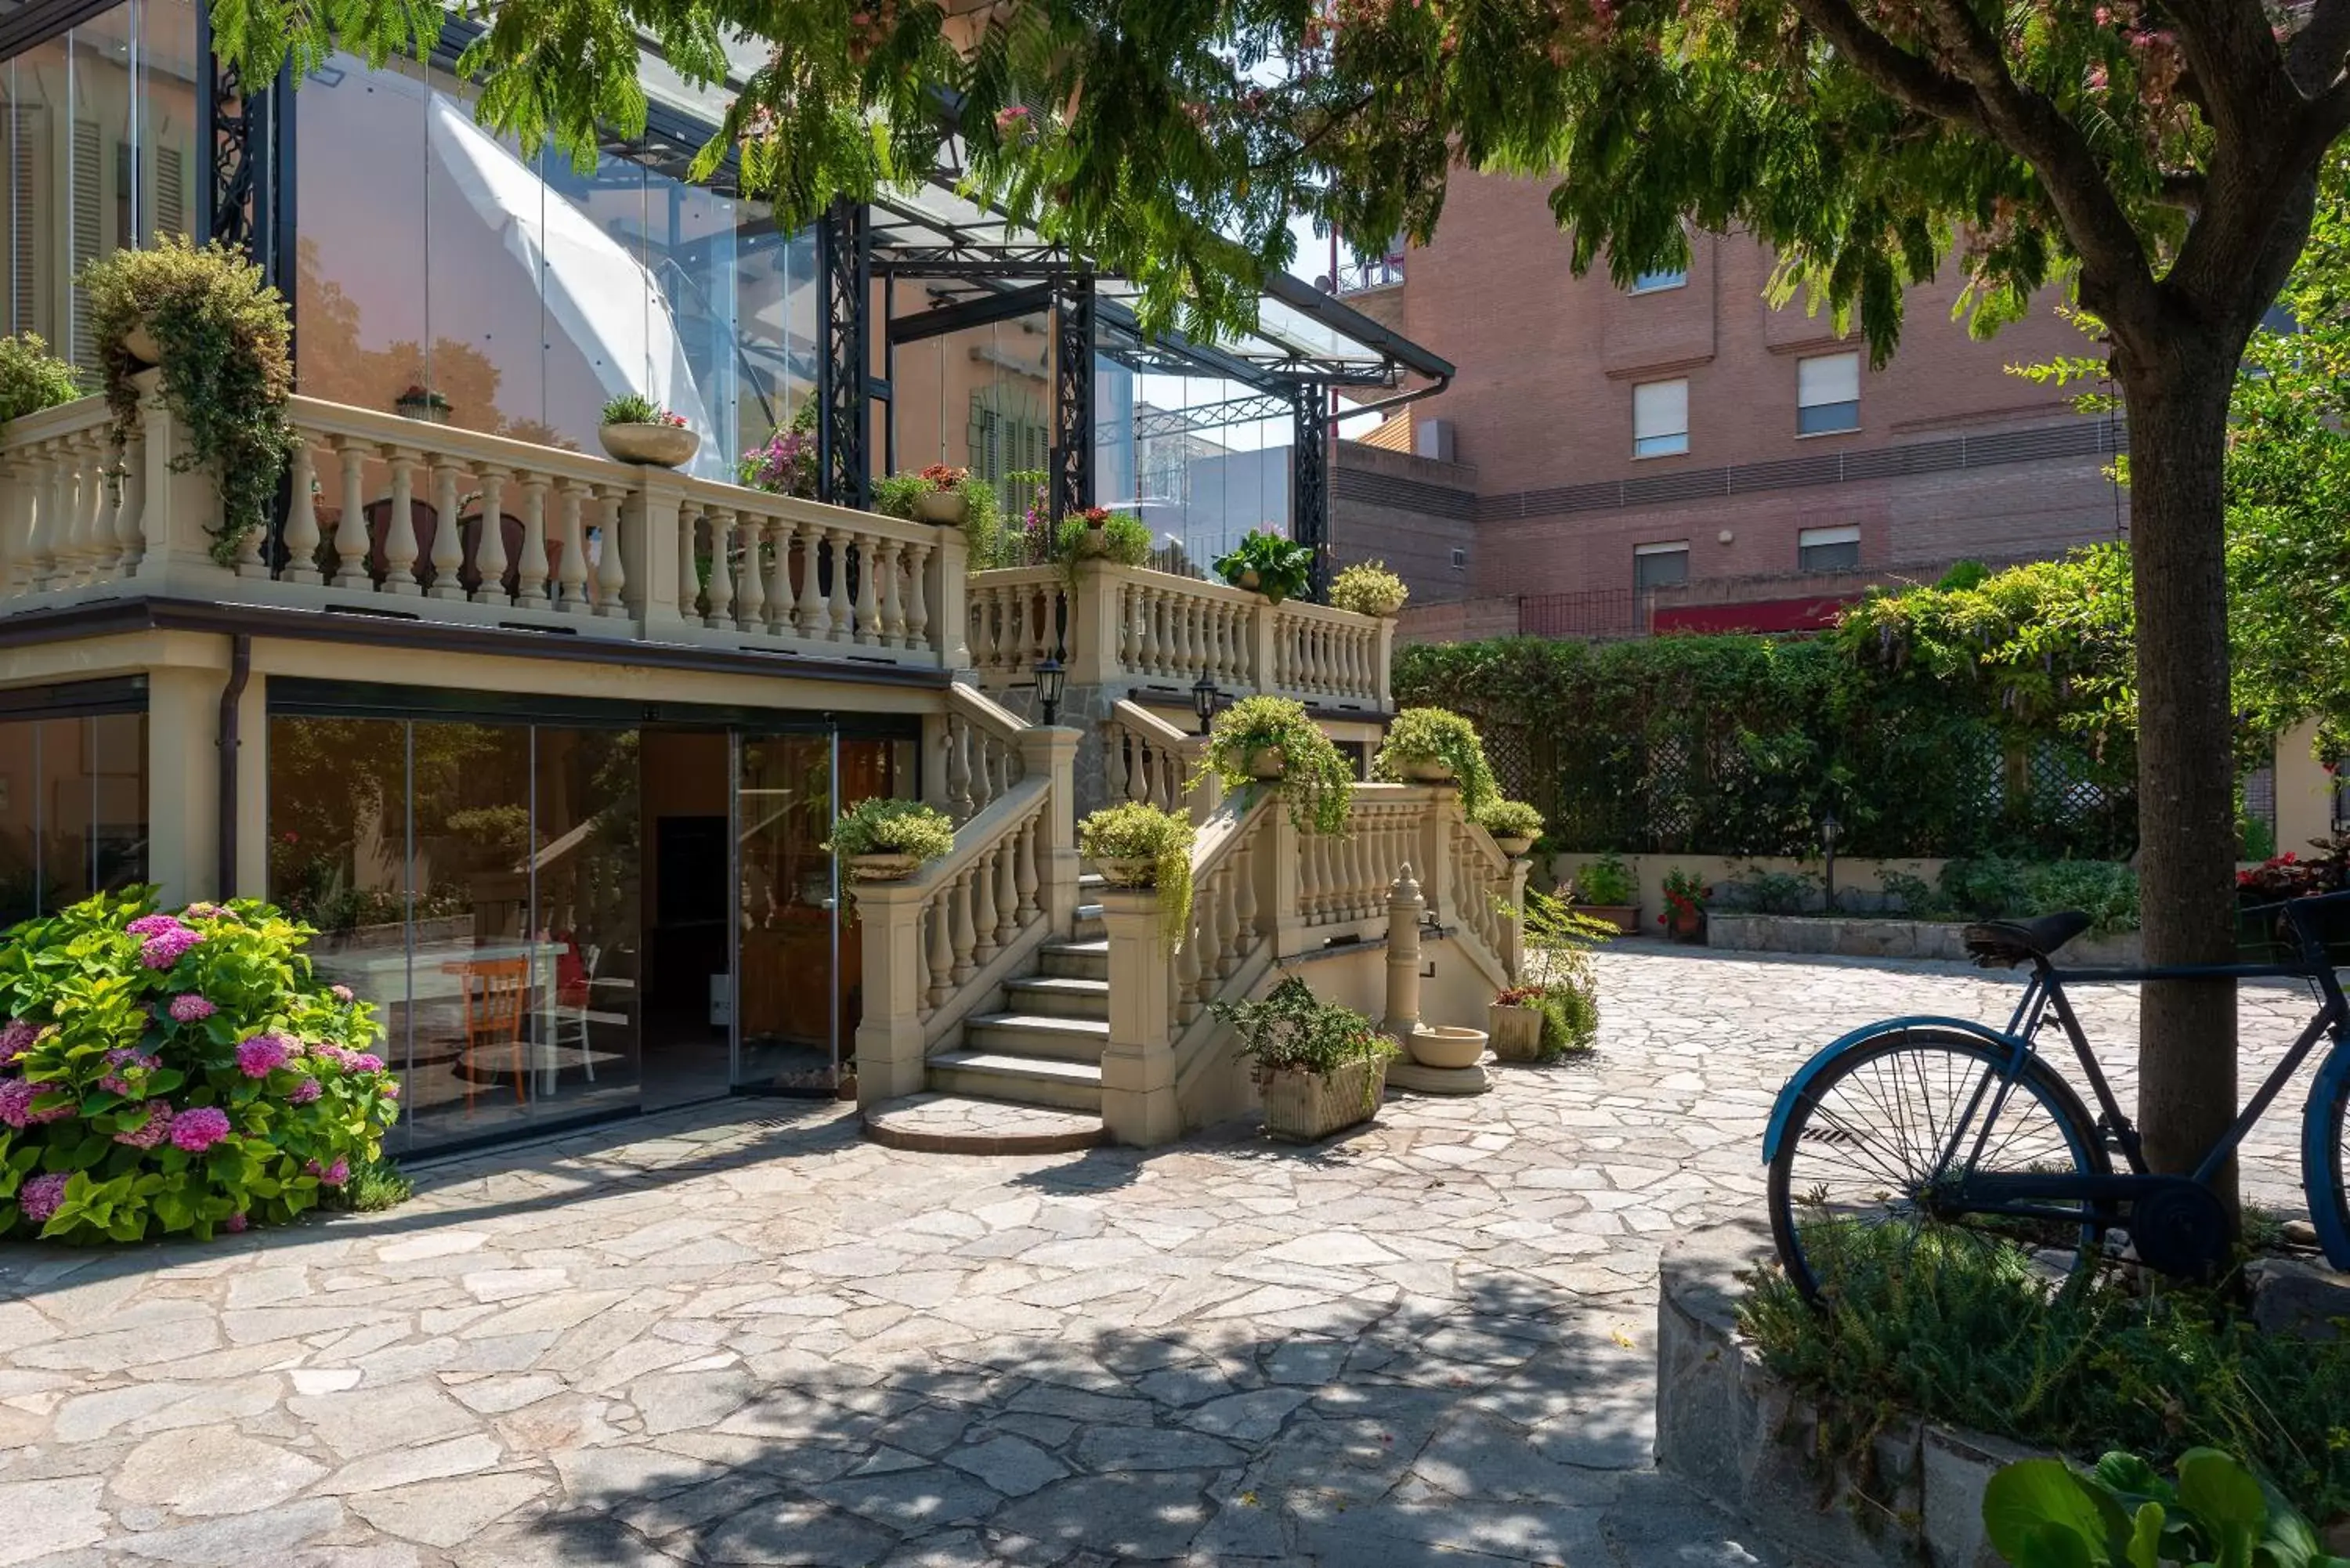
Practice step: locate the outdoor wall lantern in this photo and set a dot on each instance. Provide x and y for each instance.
(1203, 700)
(1827, 845)
(1051, 677)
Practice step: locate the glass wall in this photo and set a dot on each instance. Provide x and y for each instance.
(98, 133)
(73, 810)
(524, 291)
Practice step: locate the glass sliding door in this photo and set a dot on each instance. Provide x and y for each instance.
(786, 917)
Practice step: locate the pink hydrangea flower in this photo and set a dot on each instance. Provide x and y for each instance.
(152, 925)
(199, 1129)
(16, 1038)
(263, 1054)
(235, 1223)
(333, 1174)
(189, 1008)
(206, 911)
(39, 1196)
(306, 1091)
(392, 1090)
(124, 1056)
(17, 1098)
(153, 1131)
(342, 993)
(164, 949)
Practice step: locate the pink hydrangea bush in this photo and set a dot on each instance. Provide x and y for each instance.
(163, 1073)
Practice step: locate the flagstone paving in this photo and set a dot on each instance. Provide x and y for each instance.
(743, 1334)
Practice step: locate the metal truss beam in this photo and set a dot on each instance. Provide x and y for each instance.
(1207, 416)
(940, 320)
(845, 292)
(1309, 484)
(1073, 397)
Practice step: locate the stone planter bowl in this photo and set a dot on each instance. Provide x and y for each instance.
(1248, 582)
(1306, 1108)
(1127, 870)
(1425, 770)
(946, 508)
(650, 446)
(882, 868)
(1516, 1032)
(1446, 1046)
(1514, 846)
(141, 344)
(1265, 762)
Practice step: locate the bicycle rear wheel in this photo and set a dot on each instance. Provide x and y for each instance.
(1865, 1152)
(2325, 1157)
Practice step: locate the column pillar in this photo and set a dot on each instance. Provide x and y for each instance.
(844, 300)
(1051, 752)
(1073, 396)
(890, 1037)
(1405, 909)
(252, 790)
(1138, 1066)
(183, 764)
(650, 553)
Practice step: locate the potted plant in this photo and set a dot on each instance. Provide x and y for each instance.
(1604, 890)
(1265, 562)
(1435, 745)
(636, 429)
(1138, 846)
(419, 401)
(1270, 741)
(885, 840)
(32, 379)
(942, 501)
(1514, 824)
(1513, 1020)
(1319, 1067)
(1098, 535)
(1554, 1011)
(223, 338)
(1684, 915)
(1367, 587)
(785, 463)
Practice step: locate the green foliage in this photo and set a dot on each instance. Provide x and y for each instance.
(1438, 735)
(375, 1185)
(982, 522)
(1993, 889)
(631, 408)
(880, 826)
(1510, 819)
(1607, 882)
(1161, 841)
(169, 1075)
(1685, 886)
(1122, 539)
(226, 339)
(1769, 892)
(1561, 978)
(1267, 563)
(1947, 1324)
(33, 379)
(1292, 1030)
(2043, 1513)
(1367, 587)
(1316, 782)
(1914, 896)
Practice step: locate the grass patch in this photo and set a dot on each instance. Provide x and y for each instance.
(375, 1185)
(1939, 1325)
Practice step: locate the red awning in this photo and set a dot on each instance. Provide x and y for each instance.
(1761, 615)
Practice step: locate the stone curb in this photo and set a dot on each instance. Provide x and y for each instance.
(1855, 936)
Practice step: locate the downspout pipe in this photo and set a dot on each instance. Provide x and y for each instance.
(1393, 401)
(240, 670)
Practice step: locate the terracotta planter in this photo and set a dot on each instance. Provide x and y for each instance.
(1686, 924)
(882, 868)
(1425, 770)
(1516, 1032)
(1265, 762)
(1127, 870)
(1446, 1046)
(1625, 918)
(650, 446)
(141, 344)
(1306, 1108)
(1512, 845)
(946, 508)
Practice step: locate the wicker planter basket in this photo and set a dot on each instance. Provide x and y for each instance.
(1306, 1108)
(1517, 1032)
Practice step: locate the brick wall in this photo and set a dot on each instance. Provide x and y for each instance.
(1411, 512)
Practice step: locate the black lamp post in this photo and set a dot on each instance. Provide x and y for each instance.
(1203, 700)
(1051, 677)
(1827, 845)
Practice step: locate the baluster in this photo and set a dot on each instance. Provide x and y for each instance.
(1007, 889)
(1244, 893)
(1130, 627)
(15, 500)
(720, 589)
(611, 573)
(130, 514)
(959, 768)
(690, 518)
(917, 604)
(571, 572)
(1027, 880)
(965, 939)
(1113, 737)
(978, 610)
(868, 594)
(530, 572)
(983, 907)
(776, 565)
(73, 510)
(887, 557)
(940, 951)
(985, 785)
(1309, 880)
(1227, 644)
(302, 534)
(352, 568)
(399, 534)
(1012, 629)
(1187, 972)
(750, 579)
(1227, 950)
(448, 536)
(1146, 632)
(98, 542)
(807, 618)
(490, 540)
(837, 608)
(1162, 793)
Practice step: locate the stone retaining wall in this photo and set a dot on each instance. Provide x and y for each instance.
(1871, 936)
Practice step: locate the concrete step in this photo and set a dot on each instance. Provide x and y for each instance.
(1090, 925)
(1078, 961)
(1060, 996)
(1044, 1036)
(958, 1124)
(1021, 1080)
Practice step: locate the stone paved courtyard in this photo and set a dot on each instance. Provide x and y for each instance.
(742, 1336)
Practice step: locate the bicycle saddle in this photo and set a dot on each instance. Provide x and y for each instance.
(2012, 941)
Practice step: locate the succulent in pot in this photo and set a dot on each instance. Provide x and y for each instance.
(1514, 824)
(1138, 846)
(1436, 745)
(1267, 563)
(636, 429)
(1367, 587)
(885, 840)
(1320, 1067)
(1271, 740)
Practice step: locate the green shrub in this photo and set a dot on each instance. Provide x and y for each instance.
(1367, 587)
(166, 1074)
(1120, 538)
(1994, 888)
(1162, 839)
(1316, 782)
(1510, 819)
(635, 408)
(1946, 1324)
(1767, 892)
(879, 825)
(1293, 1030)
(1562, 979)
(1438, 735)
(1607, 882)
(32, 379)
(375, 1185)
(2041, 1513)
(226, 339)
(1913, 895)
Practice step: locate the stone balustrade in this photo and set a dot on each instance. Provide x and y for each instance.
(980, 753)
(1146, 759)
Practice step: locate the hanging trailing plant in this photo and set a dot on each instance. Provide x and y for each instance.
(224, 337)
(1441, 737)
(1272, 740)
(1139, 846)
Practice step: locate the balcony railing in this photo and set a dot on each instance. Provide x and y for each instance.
(395, 516)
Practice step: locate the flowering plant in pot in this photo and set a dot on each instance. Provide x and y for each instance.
(1138, 846)
(177, 1073)
(1367, 587)
(1436, 745)
(1270, 739)
(1320, 1067)
(1554, 1011)
(1606, 891)
(884, 840)
(1514, 824)
(636, 429)
(1684, 915)
(1267, 563)
(784, 464)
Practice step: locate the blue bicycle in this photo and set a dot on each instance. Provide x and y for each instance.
(1942, 1121)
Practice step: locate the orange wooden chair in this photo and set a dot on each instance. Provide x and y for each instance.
(497, 996)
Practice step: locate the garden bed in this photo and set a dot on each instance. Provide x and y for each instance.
(1879, 937)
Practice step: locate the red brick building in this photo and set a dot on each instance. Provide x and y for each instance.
(1616, 460)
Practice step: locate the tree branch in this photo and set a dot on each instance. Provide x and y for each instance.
(2237, 67)
(2314, 56)
(1896, 72)
(2184, 192)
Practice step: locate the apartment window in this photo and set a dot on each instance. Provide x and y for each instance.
(1659, 565)
(1829, 549)
(1827, 394)
(1663, 278)
(1659, 418)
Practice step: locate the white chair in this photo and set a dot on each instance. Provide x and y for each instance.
(570, 1023)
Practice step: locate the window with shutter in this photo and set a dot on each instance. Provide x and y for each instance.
(23, 126)
(171, 190)
(88, 233)
(1827, 394)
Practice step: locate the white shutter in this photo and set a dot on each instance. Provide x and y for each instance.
(171, 190)
(1829, 378)
(1659, 408)
(26, 123)
(88, 232)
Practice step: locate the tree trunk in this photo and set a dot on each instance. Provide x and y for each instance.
(2186, 763)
